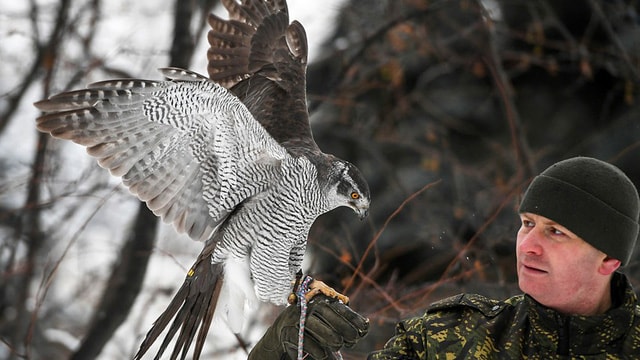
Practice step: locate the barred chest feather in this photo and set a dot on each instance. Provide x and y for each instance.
(270, 231)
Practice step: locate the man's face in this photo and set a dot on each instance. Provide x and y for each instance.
(556, 267)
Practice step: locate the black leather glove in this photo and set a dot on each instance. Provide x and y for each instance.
(329, 326)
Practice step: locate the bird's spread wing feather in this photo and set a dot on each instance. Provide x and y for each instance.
(187, 147)
(262, 58)
(244, 44)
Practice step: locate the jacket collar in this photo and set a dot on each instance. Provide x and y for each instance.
(585, 335)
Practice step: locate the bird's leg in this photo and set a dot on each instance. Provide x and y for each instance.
(293, 298)
(316, 287)
(304, 289)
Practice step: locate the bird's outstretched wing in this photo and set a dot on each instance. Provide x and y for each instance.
(187, 147)
(262, 58)
(251, 41)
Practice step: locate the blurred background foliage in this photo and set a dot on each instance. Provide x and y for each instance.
(448, 107)
(470, 99)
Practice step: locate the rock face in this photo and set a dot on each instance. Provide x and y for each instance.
(472, 101)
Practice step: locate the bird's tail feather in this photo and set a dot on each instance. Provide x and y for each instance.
(190, 311)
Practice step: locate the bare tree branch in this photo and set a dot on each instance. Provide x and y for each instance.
(29, 226)
(123, 285)
(128, 274)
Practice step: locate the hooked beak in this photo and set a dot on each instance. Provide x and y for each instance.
(362, 212)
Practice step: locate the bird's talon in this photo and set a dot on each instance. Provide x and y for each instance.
(314, 288)
(318, 286)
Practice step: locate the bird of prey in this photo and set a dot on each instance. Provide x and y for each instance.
(229, 159)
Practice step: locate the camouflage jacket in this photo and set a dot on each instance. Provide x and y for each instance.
(475, 327)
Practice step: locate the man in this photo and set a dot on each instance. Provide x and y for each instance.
(579, 224)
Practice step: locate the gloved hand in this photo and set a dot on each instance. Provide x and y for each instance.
(329, 326)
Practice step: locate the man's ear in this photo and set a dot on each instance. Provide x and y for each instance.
(609, 265)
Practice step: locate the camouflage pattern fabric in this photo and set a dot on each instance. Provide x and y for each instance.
(475, 327)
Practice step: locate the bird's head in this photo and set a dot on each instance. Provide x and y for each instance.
(347, 187)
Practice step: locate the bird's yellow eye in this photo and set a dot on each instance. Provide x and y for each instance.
(355, 195)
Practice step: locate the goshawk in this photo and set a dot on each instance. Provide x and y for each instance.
(229, 159)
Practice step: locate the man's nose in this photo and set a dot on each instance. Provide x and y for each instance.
(530, 242)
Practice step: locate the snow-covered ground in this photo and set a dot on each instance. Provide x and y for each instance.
(135, 36)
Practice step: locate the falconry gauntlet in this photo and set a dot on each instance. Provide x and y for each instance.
(330, 325)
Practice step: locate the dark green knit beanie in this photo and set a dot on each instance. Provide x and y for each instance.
(593, 199)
